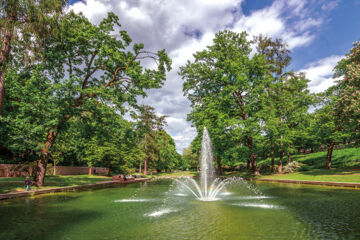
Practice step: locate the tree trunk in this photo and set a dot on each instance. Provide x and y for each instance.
(252, 157)
(109, 172)
(2, 89)
(44, 158)
(329, 154)
(4, 56)
(288, 157)
(272, 157)
(54, 166)
(248, 164)
(90, 170)
(145, 166)
(254, 165)
(219, 168)
(281, 155)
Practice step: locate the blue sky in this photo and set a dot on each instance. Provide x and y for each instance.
(318, 32)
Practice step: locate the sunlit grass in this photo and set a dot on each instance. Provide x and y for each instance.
(319, 175)
(17, 184)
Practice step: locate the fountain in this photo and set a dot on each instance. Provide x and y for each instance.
(210, 186)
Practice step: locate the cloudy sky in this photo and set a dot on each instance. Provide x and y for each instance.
(318, 32)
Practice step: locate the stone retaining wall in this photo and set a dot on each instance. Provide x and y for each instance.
(15, 170)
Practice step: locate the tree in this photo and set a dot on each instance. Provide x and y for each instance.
(190, 158)
(148, 127)
(325, 128)
(168, 159)
(25, 21)
(289, 97)
(226, 73)
(347, 107)
(88, 65)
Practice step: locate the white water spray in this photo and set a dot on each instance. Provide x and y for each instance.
(210, 186)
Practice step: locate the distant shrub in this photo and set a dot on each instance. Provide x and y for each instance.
(292, 167)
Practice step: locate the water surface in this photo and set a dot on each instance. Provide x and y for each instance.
(160, 210)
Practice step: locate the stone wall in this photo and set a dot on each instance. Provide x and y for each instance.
(15, 170)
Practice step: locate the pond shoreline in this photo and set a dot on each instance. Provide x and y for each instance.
(6, 196)
(325, 183)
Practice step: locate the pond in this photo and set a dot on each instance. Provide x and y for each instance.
(160, 210)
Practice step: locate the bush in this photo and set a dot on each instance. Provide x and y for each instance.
(292, 167)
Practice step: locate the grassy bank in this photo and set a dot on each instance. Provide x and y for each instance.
(342, 159)
(345, 167)
(173, 174)
(335, 175)
(17, 184)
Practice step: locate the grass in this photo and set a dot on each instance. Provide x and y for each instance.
(171, 174)
(342, 159)
(17, 184)
(334, 175)
(345, 167)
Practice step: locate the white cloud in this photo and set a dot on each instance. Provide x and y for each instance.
(330, 5)
(320, 73)
(186, 26)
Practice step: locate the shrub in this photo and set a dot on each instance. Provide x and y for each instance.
(292, 167)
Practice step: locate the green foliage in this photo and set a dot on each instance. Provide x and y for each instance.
(347, 108)
(30, 109)
(158, 146)
(227, 90)
(190, 158)
(67, 105)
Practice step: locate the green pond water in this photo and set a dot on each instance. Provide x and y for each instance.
(160, 210)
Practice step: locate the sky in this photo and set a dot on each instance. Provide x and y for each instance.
(318, 32)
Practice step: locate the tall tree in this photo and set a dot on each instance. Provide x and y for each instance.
(149, 126)
(226, 73)
(347, 108)
(88, 65)
(289, 96)
(26, 21)
(325, 128)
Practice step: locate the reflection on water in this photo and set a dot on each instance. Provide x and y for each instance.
(158, 210)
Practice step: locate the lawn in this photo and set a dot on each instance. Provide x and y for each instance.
(334, 175)
(17, 184)
(172, 174)
(341, 159)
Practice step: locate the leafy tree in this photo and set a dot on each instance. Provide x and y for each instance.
(289, 97)
(148, 127)
(190, 158)
(347, 108)
(168, 158)
(90, 69)
(28, 22)
(226, 73)
(325, 128)
(30, 108)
